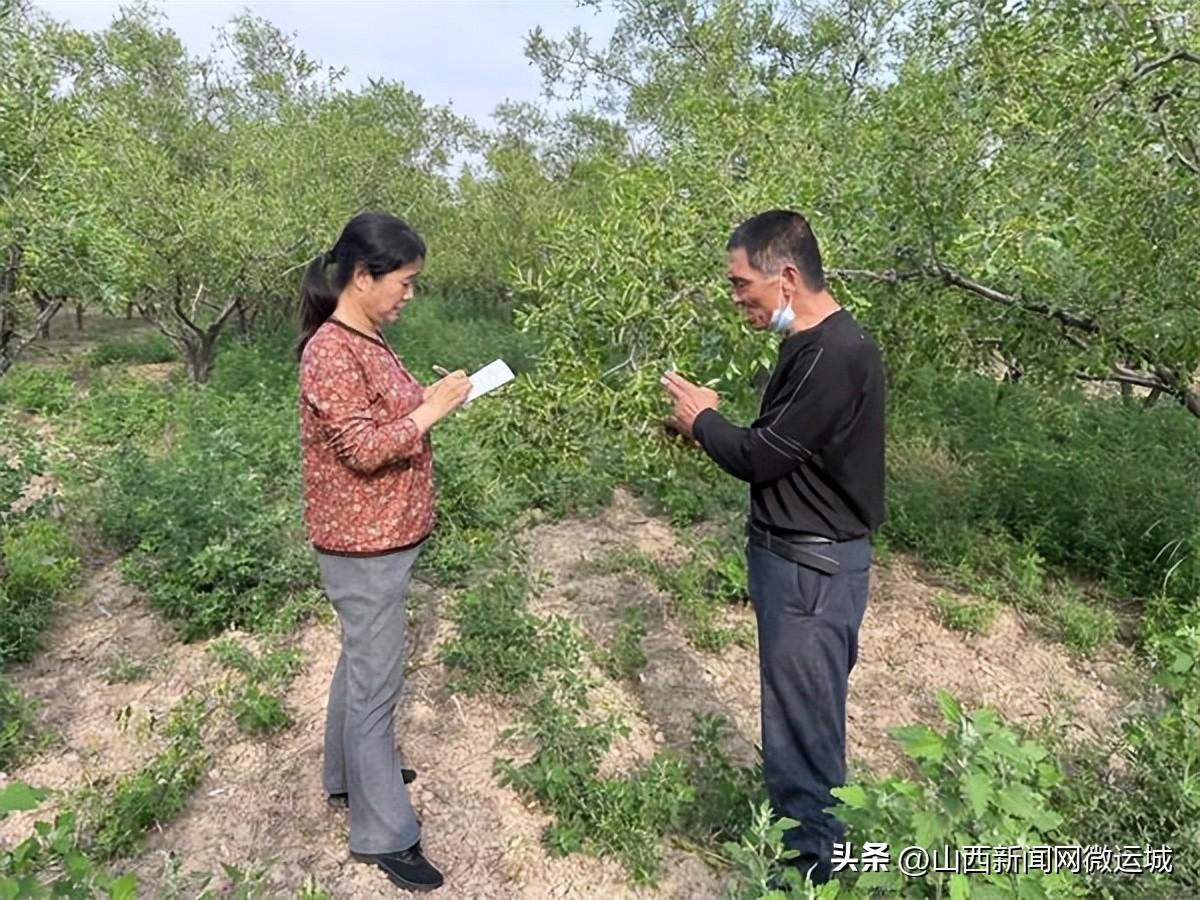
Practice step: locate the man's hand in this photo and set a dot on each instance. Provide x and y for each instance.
(689, 401)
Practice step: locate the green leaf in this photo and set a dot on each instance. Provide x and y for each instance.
(951, 710)
(960, 889)
(1017, 801)
(18, 797)
(852, 795)
(977, 787)
(124, 888)
(921, 742)
(927, 829)
(1047, 821)
(877, 881)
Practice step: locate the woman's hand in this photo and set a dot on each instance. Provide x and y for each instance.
(448, 393)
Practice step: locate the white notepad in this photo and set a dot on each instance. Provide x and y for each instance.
(489, 378)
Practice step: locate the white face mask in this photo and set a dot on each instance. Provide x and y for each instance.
(782, 318)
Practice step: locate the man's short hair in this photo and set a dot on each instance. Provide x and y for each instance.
(779, 236)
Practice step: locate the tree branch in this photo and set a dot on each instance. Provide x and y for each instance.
(219, 321)
(177, 304)
(1155, 64)
(1125, 81)
(1161, 381)
(8, 281)
(17, 342)
(1162, 378)
(1133, 379)
(1169, 140)
(1066, 317)
(889, 276)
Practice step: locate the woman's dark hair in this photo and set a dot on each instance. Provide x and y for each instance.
(379, 242)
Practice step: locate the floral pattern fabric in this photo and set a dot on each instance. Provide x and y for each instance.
(367, 473)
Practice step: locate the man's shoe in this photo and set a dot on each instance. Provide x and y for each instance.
(407, 868)
(343, 799)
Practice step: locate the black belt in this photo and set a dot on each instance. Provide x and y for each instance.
(804, 549)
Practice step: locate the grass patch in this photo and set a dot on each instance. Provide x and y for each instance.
(501, 647)
(255, 701)
(36, 569)
(19, 736)
(37, 390)
(115, 818)
(969, 616)
(152, 348)
(623, 659)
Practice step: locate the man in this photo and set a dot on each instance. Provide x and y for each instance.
(814, 462)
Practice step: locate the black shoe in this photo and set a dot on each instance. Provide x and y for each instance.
(343, 799)
(406, 868)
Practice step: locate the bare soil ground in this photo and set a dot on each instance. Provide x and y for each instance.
(262, 800)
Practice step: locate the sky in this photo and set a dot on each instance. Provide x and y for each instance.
(467, 54)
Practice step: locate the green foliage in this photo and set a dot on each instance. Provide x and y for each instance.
(126, 668)
(624, 818)
(500, 646)
(37, 390)
(503, 648)
(1035, 469)
(36, 569)
(50, 863)
(1080, 625)
(121, 409)
(624, 659)
(973, 616)
(20, 460)
(712, 578)
(52, 849)
(256, 705)
(152, 348)
(453, 333)
(725, 794)
(251, 882)
(759, 859)
(701, 796)
(213, 519)
(37, 559)
(980, 784)
(113, 819)
(19, 737)
(1151, 796)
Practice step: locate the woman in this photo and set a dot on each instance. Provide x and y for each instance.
(367, 470)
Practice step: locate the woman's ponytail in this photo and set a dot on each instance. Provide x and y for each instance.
(317, 300)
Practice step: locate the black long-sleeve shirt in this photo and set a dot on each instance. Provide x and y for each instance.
(814, 455)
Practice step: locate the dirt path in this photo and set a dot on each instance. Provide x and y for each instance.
(262, 799)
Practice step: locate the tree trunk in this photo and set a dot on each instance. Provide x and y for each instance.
(200, 356)
(79, 316)
(243, 321)
(12, 343)
(43, 321)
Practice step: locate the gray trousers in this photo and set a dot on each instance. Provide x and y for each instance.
(361, 760)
